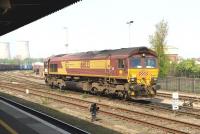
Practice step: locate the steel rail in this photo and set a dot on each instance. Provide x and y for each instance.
(184, 110)
(181, 97)
(157, 106)
(118, 115)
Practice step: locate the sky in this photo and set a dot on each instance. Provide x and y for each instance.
(102, 24)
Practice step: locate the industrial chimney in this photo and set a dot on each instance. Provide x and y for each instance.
(4, 50)
(22, 50)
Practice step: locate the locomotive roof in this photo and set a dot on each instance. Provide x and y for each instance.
(123, 52)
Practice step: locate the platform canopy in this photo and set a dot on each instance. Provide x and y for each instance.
(17, 13)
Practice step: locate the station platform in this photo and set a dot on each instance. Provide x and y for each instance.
(16, 121)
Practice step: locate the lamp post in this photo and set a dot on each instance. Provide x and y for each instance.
(129, 27)
(66, 32)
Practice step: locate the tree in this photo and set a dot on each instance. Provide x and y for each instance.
(18, 61)
(158, 44)
(187, 68)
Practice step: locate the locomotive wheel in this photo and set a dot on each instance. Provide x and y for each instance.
(105, 92)
(126, 95)
(46, 81)
(93, 90)
(120, 95)
(61, 87)
(52, 85)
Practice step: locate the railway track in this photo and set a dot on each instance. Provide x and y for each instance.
(127, 114)
(181, 97)
(165, 95)
(153, 106)
(30, 76)
(14, 78)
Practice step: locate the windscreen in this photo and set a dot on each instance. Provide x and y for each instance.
(150, 62)
(135, 63)
(143, 62)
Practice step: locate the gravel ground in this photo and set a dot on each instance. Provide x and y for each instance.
(108, 122)
(196, 104)
(118, 125)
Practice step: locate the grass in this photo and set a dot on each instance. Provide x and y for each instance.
(85, 95)
(45, 101)
(11, 80)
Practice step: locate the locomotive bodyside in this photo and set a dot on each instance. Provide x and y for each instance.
(130, 72)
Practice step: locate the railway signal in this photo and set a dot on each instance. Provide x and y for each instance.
(175, 101)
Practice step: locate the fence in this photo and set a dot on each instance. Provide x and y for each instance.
(183, 84)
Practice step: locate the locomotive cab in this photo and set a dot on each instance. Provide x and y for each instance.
(142, 75)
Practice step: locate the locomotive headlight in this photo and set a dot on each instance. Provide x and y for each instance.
(133, 80)
(155, 79)
(45, 70)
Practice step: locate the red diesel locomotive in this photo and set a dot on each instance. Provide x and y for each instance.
(128, 72)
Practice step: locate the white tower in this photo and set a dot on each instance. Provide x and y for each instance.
(4, 50)
(22, 50)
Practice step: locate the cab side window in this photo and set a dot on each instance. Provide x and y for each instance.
(121, 63)
(53, 68)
